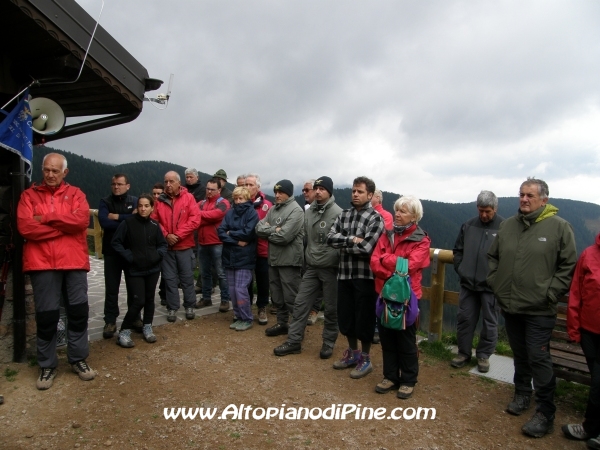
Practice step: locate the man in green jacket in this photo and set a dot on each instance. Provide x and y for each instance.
(283, 227)
(320, 277)
(531, 264)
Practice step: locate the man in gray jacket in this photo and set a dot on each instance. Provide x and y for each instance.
(283, 227)
(471, 265)
(320, 275)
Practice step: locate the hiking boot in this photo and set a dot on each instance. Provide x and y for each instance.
(189, 313)
(46, 378)
(519, 405)
(405, 392)
(204, 303)
(593, 443)
(262, 316)
(326, 351)
(459, 361)
(287, 348)
(172, 315)
(312, 317)
(224, 307)
(538, 426)
(273, 309)
(235, 324)
(376, 339)
(244, 325)
(124, 339)
(483, 365)
(149, 335)
(349, 358)
(363, 367)
(198, 289)
(84, 371)
(276, 330)
(163, 301)
(575, 431)
(109, 331)
(385, 386)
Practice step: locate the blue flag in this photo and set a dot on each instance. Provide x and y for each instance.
(16, 134)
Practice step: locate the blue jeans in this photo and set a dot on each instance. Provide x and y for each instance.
(209, 255)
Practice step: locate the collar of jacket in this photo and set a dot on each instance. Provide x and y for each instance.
(289, 200)
(45, 187)
(543, 212)
(362, 207)
(321, 208)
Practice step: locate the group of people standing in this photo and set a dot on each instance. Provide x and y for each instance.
(320, 255)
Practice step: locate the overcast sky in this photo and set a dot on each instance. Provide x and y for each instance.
(437, 99)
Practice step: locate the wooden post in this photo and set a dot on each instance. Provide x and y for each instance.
(96, 231)
(439, 259)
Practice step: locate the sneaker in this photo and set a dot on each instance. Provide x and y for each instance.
(287, 348)
(593, 443)
(385, 386)
(349, 358)
(326, 351)
(172, 315)
(405, 392)
(109, 331)
(363, 367)
(519, 405)
(235, 324)
(224, 307)
(312, 317)
(46, 378)
(460, 361)
(376, 339)
(483, 365)
(575, 431)
(538, 426)
(149, 335)
(189, 313)
(262, 316)
(124, 339)
(273, 310)
(204, 303)
(84, 371)
(276, 330)
(244, 325)
(138, 326)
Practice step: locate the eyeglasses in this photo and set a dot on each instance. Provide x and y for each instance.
(211, 189)
(307, 190)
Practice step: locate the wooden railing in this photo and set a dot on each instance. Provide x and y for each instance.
(96, 231)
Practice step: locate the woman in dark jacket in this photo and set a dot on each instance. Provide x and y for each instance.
(239, 254)
(140, 240)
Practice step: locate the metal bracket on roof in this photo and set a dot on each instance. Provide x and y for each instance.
(434, 261)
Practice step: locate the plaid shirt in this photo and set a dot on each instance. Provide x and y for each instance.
(355, 258)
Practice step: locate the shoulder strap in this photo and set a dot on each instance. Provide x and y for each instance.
(402, 266)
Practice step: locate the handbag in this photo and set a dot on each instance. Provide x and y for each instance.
(397, 307)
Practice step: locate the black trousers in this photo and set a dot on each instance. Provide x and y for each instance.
(114, 265)
(590, 344)
(141, 291)
(400, 355)
(356, 308)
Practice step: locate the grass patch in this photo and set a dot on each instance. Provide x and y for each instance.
(437, 349)
(10, 374)
(574, 394)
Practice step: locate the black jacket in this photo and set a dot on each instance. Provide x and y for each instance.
(470, 252)
(142, 243)
(123, 205)
(197, 190)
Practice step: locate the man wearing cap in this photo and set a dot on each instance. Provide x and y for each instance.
(320, 277)
(283, 226)
(221, 176)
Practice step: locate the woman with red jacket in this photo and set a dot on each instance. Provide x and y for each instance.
(409, 241)
(583, 325)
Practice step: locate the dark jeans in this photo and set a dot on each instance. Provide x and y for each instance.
(400, 356)
(529, 338)
(356, 308)
(141, 291)
(114, 265)
(590, 344)
(261, 273)
(470, 304)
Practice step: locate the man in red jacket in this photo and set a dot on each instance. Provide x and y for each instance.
(53, 218)
(212, 211)
(177, 212)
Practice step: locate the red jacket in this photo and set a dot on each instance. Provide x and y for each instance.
(212, 211)
(387, 217)
(179, 216)
(262, 206)
(413, 245)
(59, 240)
(583, 310)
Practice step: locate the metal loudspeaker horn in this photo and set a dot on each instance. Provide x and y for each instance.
(48, 118)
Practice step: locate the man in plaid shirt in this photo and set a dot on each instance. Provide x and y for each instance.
(356, 232)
